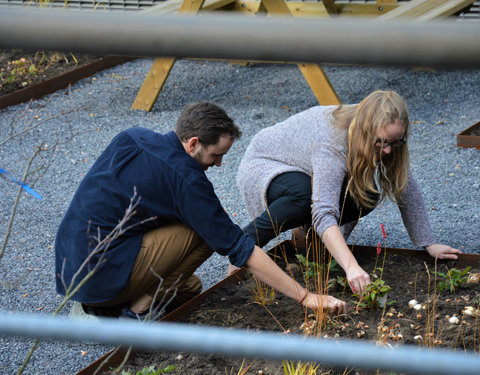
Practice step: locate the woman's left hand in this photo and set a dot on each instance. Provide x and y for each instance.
(442, 251)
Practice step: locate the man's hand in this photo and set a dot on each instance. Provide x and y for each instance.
(442, 251)
(357, 278)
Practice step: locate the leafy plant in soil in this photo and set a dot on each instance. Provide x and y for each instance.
(452, 279)
(20, 69)
(375, 295)
(313, 269)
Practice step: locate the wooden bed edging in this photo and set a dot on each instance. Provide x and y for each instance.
(116, 358)
(466, 139)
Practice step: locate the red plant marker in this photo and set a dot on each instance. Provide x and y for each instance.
(384, 234)
(379, 248)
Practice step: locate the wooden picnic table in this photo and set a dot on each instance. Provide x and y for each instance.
(381, 10)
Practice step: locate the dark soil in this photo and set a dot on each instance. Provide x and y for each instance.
(233, 306)
(475, 131)
(21, 69)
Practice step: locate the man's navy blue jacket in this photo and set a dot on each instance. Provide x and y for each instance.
(172, 187)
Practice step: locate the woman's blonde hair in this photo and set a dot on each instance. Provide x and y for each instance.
(375, 112)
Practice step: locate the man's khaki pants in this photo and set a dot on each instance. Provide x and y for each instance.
(173, 253)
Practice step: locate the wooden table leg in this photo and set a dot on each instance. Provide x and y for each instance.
(161, 68)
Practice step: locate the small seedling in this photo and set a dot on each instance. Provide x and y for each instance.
(453, 279)
(313, 269)
(338, 283)
(374, 293)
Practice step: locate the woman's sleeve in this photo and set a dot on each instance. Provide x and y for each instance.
(414, 215)
(328, 170)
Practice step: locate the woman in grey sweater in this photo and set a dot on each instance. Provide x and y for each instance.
(327, 167)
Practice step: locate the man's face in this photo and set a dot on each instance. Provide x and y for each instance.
(213, 154)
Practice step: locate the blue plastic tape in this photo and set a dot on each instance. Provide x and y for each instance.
(25, 187)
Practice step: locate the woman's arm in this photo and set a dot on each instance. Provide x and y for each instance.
(416, 221)
(357, 278)
(263, 267)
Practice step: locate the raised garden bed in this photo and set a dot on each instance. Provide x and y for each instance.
(410, 274)
(470, 137)
(31, 75)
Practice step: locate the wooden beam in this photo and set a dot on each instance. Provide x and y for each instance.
(313, 73)
(383, 2)
(412, 9)
(278, 7)
(330, 6)
(316, 9)
(216, 4)
(153, 83)
(161, 68)
(319, 83)
(445, 10)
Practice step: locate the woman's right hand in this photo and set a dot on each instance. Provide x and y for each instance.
(358, 279)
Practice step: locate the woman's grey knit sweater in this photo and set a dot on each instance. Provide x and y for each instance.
(307, 142)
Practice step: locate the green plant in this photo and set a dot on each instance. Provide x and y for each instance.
(339, 282)
(151, 370)
(18, 69)
(453, 279)
(25, 70)
(375, 294)
(300, 368)
(313, 269)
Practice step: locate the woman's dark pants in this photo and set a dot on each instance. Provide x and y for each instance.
(289, 198)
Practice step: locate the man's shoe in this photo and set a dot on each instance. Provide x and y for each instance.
(129, 314)
(77, 312)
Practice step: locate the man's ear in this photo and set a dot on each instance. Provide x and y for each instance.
(192, 144)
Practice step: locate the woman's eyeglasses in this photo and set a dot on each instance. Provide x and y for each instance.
(383, 143)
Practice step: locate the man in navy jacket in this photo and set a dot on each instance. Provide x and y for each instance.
(178, 219)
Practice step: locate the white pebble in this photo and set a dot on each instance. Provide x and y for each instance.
(453, 320)
(412, 302)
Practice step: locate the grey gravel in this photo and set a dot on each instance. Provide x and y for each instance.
(442, 104)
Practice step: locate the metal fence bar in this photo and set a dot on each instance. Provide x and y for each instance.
(219, 35)
(183, 337)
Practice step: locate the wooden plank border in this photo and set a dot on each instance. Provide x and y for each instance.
(466, 139)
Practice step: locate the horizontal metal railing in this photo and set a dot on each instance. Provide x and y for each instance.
(241, 343)
(219, 35)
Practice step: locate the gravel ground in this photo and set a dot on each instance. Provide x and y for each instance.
(83, 120)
